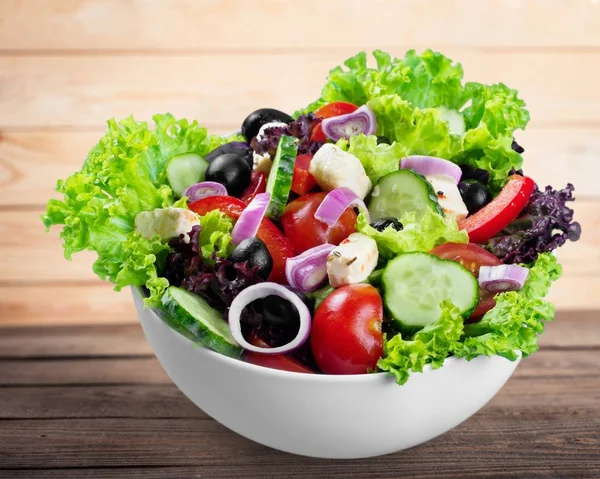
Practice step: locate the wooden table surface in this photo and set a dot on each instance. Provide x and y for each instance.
(94, 402)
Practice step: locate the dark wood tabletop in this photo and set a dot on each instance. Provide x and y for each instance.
(92, 401)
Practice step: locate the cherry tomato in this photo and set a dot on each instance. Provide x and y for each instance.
(276, 361)
(503, 209)
(302, 181)
(305, 232)
(486, 302)
(346, 335)
(336, 108)
(278, 245)
(472, 257)
(258, 184)
(273, 361)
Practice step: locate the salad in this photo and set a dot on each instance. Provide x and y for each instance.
(386, 226)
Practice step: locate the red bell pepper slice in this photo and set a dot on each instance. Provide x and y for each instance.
(496, 215)
(303, 181)
(258, 184)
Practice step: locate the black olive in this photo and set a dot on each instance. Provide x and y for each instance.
(239, 147)
(232, 171)
(382, 223)
(515, 146)
(477, 174)
(255, 253)
(279, 312)
(475, 195)
(258, 118)
(383, 139)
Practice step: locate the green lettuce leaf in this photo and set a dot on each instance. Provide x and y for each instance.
(496, 106)
(419, 131)
(377, 160)
(430, 231)
(414, 98)
(215, 235)
(429, 346)
(518, 317)
(123, 175)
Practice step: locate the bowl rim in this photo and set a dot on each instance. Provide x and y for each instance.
(240, 363)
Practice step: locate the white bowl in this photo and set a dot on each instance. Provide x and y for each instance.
(336, 417)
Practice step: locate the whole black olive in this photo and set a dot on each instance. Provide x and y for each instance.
(231, 170)
(477, 174)
(258, 118)
(475, 195)
(255, 253)
(383, 139)
(240, 147)
(382, 223)
(280, 312)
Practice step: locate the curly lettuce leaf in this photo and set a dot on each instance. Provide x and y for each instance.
(517, 319)
(377, 160)
(426, 80)
(496, 106)
(430, 231)
(214, 239)
(429, 346)
(123, 175)
(419, 131)
(420, 100)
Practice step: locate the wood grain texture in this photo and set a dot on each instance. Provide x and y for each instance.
(226, 25)
(32, 161)
(564, 443)
(83, 91)
(130, 423)
(39, 304)
(94, 340)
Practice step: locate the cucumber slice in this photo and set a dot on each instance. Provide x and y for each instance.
(185, 170)
(400, 192)
(415, 284)
(280, 178)
(193, 315)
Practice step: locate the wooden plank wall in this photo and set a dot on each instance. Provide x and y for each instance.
(68, 65)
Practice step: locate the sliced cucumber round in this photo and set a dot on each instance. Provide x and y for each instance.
(280, 178)
(400, 192)
(195, 316)
(415, 284)
(185, 170)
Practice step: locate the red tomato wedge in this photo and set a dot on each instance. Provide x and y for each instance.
(472, 257)
(258, 184)
(336, 108)
(302, 181)
(276, 361)
(273, 361)
(278, 245)
(503, 209)
(305, 231)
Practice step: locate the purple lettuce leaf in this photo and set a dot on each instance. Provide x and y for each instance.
(301, 128)
(545, 224)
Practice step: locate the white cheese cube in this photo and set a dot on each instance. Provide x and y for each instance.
(352, 261)
(333, 168)
(165, 222)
